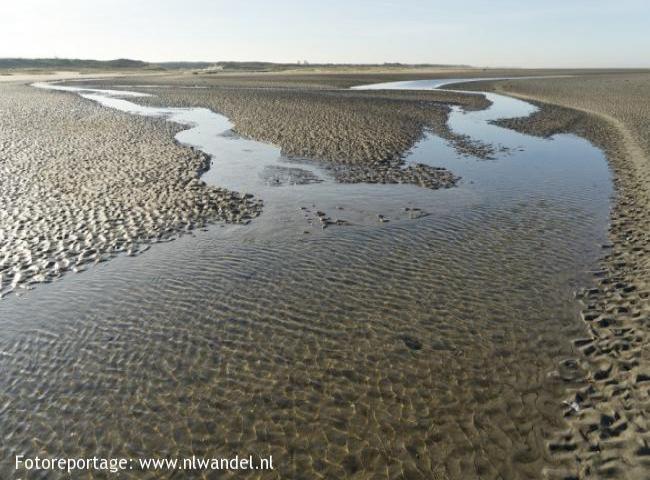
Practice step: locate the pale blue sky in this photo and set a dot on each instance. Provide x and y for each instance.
(544, 33)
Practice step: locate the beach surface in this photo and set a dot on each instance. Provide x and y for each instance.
(436, 346)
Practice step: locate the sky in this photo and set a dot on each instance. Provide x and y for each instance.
(490, 33)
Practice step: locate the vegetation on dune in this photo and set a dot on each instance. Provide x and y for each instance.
(70, 63)
(121, 63)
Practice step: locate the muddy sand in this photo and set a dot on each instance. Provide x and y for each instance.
(609, 437)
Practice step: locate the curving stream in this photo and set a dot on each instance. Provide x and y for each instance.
(433, 345)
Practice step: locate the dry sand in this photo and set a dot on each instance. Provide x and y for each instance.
(329, 78)
(609, 437)
(50, 75)
(82, 183)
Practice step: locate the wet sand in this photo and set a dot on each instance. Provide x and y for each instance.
(81, 184)
(610, 435)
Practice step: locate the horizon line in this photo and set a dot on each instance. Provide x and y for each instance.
(316, 64)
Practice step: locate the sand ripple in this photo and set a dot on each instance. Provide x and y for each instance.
(73, 194)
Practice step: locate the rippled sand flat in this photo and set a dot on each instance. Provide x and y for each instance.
(81, 183)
